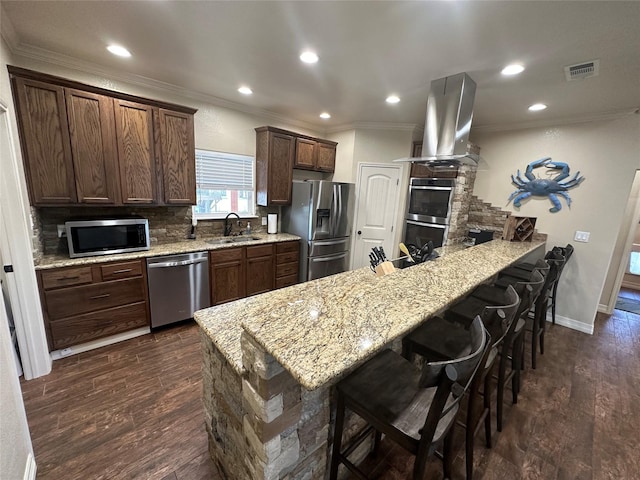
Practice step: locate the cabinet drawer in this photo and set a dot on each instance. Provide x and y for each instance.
(89, 298)
(286, 257)
(82, 328)
(259, 251)
(66, 277)
(121, 270)
(286, 281)
(226, 255)
(287, 247)
(286, 269)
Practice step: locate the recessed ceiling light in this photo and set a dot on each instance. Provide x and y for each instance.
(536, 107)
(325, 115)
(245, 90)
(119, 51)
(393, 99)
(513, 69)
(309, 57)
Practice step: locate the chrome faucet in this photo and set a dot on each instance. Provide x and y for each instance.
(227, 225)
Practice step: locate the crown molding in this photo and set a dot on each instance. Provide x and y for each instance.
(611, 115)
(61, 60)
(407, 127)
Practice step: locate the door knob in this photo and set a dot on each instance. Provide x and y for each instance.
(359, 232)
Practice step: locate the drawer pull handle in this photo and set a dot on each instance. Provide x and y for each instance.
(124, 270)
(75, 277)
(96, 297)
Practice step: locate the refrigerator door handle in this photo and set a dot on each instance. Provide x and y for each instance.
(339, 218)
(330, 258)
(334, 210)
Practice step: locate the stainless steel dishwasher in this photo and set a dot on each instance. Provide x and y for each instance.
(178, 286)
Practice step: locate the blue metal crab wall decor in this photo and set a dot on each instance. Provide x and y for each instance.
(544, 187)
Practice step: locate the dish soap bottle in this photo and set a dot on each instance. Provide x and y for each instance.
(248, 228)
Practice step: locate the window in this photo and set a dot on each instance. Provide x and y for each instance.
(224, 183)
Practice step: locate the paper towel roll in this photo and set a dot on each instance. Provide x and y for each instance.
(272, 223)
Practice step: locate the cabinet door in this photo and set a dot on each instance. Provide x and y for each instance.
(45, 142)
(326, 157)
(93, 146)
(260, 268)
(178, 162)
(274, 168)
(227, 275)
(305, 154)
(136, 154)
(260, 275)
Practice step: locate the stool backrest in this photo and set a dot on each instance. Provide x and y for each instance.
(497, 319)
(452, 379)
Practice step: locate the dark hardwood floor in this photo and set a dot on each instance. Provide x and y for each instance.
(133, 410)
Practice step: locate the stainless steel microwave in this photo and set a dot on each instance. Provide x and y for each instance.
(107, 236)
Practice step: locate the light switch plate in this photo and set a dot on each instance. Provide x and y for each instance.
(62, 232)
(264, 220)
(582, 236)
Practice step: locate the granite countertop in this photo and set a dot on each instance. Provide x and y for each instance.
(185, 246)
(321, 330)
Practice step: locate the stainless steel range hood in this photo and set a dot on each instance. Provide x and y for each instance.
(448, 122)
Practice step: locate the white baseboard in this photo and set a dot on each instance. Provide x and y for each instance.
(30, 468)
(103, 342)
(572, 324)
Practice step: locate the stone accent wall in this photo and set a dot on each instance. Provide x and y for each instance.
(222, 395)
(460, 204)
(166, 224)
(262, 424)
(485, 216)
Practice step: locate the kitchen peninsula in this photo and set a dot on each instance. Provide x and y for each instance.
(270, 360)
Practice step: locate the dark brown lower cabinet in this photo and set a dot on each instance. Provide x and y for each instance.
(260, 276)
(86, 303)
(244, 271)
(227, 275)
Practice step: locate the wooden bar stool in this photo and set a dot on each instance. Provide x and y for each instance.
(413, 407)
(439, 339)
(513, 345)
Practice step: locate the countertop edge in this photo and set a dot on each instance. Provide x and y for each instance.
(186, 246)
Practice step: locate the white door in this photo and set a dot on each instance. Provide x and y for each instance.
(378, 196)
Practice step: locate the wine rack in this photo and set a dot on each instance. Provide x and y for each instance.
(519, 229)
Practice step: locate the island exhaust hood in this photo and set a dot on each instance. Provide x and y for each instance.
(447, 124)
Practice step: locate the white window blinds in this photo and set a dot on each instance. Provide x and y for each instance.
(223, 171)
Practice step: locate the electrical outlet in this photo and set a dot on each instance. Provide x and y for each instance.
(65, 352)
(264, 220)
(582, 236)
(62, 232)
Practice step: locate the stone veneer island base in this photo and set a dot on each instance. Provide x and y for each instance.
(270, 361)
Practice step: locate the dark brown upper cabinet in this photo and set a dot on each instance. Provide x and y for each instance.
(306, 154)
(136, 154)
(46, 147)
(86, 145)
(278, 152)
(326, 161)
(177, 158)
(275, 150)
(93, 147)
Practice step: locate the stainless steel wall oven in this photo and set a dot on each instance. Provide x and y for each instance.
(428, 211)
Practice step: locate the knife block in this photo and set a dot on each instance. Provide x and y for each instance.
(385, 268)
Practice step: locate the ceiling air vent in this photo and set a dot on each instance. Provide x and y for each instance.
(582, 70)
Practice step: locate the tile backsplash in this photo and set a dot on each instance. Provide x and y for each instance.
(166, 224)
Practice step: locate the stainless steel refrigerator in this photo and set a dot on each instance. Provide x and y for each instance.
(321, 213)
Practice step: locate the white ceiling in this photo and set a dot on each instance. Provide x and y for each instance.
(367, 51)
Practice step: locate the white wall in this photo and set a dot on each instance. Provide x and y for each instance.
(607, 153)
(344, 155)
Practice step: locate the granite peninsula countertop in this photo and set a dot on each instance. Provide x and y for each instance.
(321, 330)
(185, 246)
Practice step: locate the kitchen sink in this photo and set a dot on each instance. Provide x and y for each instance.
(225, 240)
